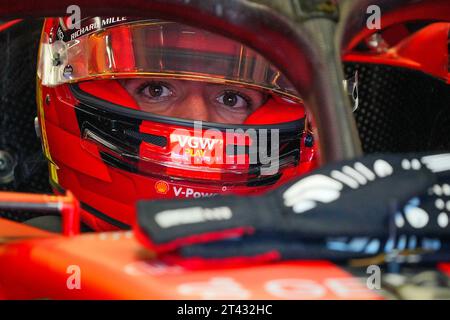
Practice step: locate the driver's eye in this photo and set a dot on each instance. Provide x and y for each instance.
(233, 100)
(155, 92)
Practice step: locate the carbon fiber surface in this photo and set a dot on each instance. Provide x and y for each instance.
(401, 110)
(18, 54)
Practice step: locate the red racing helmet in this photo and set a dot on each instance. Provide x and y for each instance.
(133, 109)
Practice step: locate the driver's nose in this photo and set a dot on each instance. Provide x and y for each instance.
(193, 107)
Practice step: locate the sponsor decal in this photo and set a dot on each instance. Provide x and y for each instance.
(300, 288)
(196, 142)
(235, 146)
(189, 192)
(162, 187)
(172, 218)
(196, 149)
(89, 25)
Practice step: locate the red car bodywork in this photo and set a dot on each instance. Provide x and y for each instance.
(113, 265)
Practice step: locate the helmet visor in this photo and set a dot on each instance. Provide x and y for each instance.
(154, 48)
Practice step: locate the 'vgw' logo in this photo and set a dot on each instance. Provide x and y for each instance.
(197, 142)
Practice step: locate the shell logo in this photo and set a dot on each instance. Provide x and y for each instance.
(162, 187)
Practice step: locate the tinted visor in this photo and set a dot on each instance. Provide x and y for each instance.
(154, 48)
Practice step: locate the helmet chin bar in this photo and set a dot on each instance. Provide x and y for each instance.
(122, 142)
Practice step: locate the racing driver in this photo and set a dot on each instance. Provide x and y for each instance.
(133, 109)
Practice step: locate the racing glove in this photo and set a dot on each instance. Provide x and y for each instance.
(351, 209)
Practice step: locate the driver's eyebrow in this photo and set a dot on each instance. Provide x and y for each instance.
(229, 86)
(244, 90)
